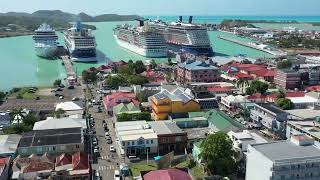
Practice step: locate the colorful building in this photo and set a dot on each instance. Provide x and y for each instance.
(196, 71)
(110, 101)
(177, 101)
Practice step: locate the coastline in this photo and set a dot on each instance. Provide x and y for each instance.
(14, 34)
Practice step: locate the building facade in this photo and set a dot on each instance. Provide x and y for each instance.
(196, 71)
(283, 160)
(288, 79)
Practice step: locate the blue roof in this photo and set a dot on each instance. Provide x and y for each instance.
(197, 65)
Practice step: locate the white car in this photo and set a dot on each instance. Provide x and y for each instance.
(95, 150)
(116, 175)
(112, 149)
(107, 134)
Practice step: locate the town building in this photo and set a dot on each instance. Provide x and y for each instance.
(130, 108)
(191, 120)
(60, 123)
(269, 116)
(288, 79)
(307, 127)
(196, 135)
(5, 120)
(136, 138)
(231, 102)
(52, 141)
(167, 174)
(9, 144)
(196, 71)
(70, 108)
(219, 121)
(170, 137)
(242, 139)
(114, 99)
(174, 102)
(296, 158)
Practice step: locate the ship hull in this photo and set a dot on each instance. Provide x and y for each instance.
(142, 51)
(83, 55)
(198, 51)
(46, 52)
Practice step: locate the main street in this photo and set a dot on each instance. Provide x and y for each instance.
(107, 161)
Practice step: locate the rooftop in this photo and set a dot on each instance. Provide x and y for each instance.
(197, 65)
(120, 97)
(286, 150)
(60, 123)
(304, 113)
(68, 106)
(222, 122)
(198, 133)
(271, 107)
(165, 127)
(9, 143)
(168, 174)
(51, 137)
(177, 95)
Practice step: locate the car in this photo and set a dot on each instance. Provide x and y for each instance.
(103, 121)
(75, 99)
(95, 150)
(1, 127)
(106, 129)
(97, 174)
(107, 134)
(94, 132)
(61, 97)
(59, 89)
(95, 143)
(116, 175)
(71, 87)
(112, 149)
(108, 137)
(57, 95)
(109, 141)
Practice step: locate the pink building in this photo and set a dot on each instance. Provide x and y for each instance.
(117, 98)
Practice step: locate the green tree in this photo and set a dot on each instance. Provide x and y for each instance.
(57, 82)
(257, 87)
(133, 117)
(58, 113)
(285, 104)
(169, 61)
(126, 70)
(2, 96)
(30, 119)
(141, 97)
(281, 94)
(17, 129)
(153, 64)
(218, 154)
(89, 76)
(17, 114)
(284, 64)
(139, 67)
(137, 80)
(115, 81)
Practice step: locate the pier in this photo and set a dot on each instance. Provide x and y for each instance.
(274, 52)
(71, 74)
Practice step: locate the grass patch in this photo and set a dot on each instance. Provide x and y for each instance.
(183, 164)
(136, 168)
(198, 172)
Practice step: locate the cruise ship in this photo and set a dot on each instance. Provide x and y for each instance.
(141, 40)
(187, 37)
(45, 41)
(81, 44)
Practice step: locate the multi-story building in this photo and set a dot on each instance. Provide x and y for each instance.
(114, 99)
(172, 102)
(136, 138)
(196, 71)
(292, 159)
(270, 117)
(288, 79)
(170, 137)
(52, 141)
(310, 128)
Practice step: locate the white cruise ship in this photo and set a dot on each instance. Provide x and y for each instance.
(45, 41)
(81, 44)
(141, 40)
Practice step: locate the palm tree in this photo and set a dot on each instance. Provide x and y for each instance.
(242, 84)
(17, 114)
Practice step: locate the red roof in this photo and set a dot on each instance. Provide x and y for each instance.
(63, 159)
(35, 166)
(313, 88)
(104, 67)
(169, 174)
(295, 94)
(219, 89)
(119, 97)
(80, 161)
(242, 75)
(4, 161)
(265, 73)
(154, 76)
(256, 96)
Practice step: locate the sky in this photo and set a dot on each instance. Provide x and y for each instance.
(169, 7)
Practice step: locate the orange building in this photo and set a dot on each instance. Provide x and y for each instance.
(177, 101)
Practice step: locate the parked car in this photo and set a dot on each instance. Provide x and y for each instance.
(112, 149)
(109, 141)
(107, 134)
(116, 175)
(95, 150)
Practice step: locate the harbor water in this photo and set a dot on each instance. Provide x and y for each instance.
(21, 67)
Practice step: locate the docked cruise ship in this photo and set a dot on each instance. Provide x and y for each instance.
(141, 40)
(45, 41)
(81, 44)
(187, 37)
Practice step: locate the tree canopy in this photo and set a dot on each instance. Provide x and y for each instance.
(57, 82)
(218, 154)
(257, 87)
(89, 76)
(133, 117)
(285, 104)
(284, 64)
(2, 96)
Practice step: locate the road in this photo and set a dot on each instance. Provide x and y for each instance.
(107, 161)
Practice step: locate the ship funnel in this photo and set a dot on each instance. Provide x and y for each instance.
(190, 19)
(180, 18)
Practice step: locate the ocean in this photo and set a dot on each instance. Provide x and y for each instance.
(21, 67)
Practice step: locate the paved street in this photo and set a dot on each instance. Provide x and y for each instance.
(107, 161)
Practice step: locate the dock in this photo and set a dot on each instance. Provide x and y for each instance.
(71, 74)
(274, 52)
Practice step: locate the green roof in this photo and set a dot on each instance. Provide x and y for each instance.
(222, 122)
(126, 108)
(201, 118)
(196, 114)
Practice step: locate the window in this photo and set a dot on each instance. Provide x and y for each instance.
(178, 139)
(77, 146)
(132, 143)
(123, 144)
(128, 143)
(147, 141)
(39, 149)
(151, 141)
(62, 147)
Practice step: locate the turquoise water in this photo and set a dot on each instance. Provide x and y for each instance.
(21, 67)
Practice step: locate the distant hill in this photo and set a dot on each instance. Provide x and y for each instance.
(58, 14)
(56, 18)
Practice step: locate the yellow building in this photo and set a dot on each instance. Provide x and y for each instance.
(165, 103)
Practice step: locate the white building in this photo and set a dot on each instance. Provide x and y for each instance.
(232, 102)
(310, 128)
(60, 123)
(70, 108)
(292, 159)
(241, 140)
(136, 137)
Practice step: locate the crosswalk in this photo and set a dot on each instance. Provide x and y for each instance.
(111, 167)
